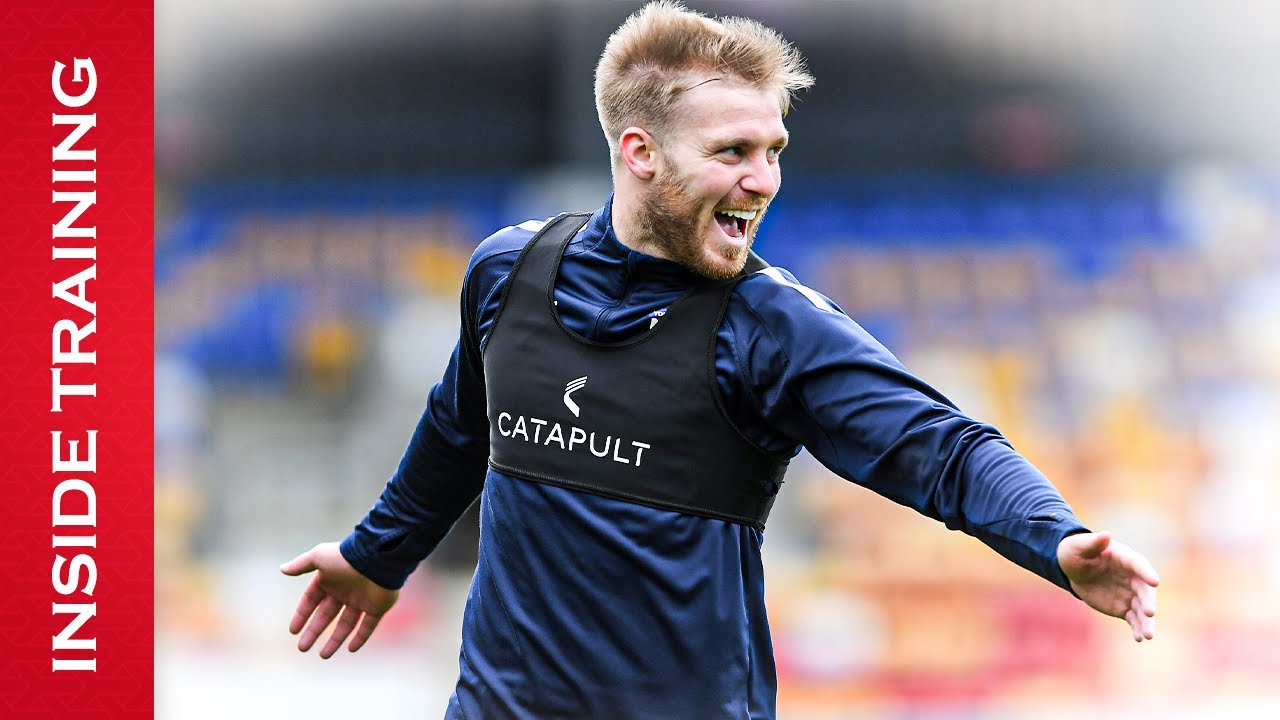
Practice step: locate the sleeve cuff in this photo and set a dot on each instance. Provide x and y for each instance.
(368, 567)
(1059, 578)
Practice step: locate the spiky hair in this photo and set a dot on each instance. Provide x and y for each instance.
(664, 49)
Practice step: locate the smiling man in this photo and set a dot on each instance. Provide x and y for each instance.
(695, 192)
(627, 391)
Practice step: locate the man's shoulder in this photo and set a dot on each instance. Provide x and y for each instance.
(775, 290)
(496, 255)
(493, 259)
(510, 240)
(507, 242)
(805, 322)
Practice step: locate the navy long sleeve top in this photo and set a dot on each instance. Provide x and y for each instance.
(584, 606)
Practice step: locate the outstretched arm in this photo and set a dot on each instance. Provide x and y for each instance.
(822, 380)
(335, 588)
(1112, 578)
(819, 378)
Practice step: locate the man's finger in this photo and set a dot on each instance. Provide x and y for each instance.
(346, 623)
(367, 626)
(1146, 621)
(304, 563)
(1144, 569)
(324, 615)
(1146, 595)
(1131, 617)
(307, 604)
(1090, 545)
(1135, 563)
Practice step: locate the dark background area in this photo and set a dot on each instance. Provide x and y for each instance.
(492, 87)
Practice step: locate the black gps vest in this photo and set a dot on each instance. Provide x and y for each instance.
(640, 420)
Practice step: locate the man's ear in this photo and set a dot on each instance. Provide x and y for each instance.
(639, 152)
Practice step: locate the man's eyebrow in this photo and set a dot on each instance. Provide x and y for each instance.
(737, 141)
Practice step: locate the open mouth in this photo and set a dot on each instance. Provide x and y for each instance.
(734, 222)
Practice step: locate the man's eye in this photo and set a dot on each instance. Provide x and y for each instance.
(734, 151)
(774, 152)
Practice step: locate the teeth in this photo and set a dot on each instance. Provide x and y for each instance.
(740, 214)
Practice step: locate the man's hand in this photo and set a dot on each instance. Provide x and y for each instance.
(336, 587)
(1112, 578)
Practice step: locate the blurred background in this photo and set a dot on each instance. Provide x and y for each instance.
(1065, 215)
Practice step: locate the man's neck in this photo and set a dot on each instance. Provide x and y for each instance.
(626, 223)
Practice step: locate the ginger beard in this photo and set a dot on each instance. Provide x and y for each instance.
(670, 218)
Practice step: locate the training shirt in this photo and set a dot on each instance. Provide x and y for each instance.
(584, 606)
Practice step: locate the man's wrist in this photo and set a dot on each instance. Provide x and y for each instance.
(1063, 580)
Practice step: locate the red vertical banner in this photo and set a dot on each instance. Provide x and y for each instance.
(76, 359)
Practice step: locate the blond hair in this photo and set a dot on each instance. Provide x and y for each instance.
(664, 49)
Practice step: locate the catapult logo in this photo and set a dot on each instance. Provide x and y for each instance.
(552, 435)
(573, 387)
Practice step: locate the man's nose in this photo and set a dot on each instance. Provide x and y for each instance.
(762, 177)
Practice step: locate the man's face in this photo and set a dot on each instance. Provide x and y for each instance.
(718, 170)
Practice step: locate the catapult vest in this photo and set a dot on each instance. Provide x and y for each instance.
(640, 420)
